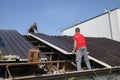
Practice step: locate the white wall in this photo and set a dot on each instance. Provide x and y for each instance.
(99, 26)
(115, 20)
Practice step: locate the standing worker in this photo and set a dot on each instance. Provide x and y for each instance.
(80, 49)
(32, 28)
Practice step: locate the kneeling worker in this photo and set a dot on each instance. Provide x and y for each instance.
(32, 28)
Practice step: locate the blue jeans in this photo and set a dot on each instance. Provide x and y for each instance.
(79, 53)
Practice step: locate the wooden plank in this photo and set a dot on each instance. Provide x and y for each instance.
(85, 73)
(48, 53)
(25, 63)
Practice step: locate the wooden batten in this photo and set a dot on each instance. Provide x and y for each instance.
(40, 46)
(49, 53)
(34, 41)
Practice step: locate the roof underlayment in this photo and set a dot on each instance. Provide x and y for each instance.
(100, 49)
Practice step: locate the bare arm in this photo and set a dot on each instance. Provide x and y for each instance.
(74, 47)
(35, 28)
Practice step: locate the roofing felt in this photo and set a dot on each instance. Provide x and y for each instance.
(13, 43)
(102, 49)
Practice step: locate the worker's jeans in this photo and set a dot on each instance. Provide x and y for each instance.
(79, 53)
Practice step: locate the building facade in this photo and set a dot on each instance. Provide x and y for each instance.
(104, 25)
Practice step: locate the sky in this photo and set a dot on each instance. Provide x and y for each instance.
(51, 16)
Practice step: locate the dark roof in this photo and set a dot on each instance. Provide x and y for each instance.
(12, 43)
(100, 49)
(105, 50)
(56, 42)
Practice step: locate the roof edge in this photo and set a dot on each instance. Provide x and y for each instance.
(100, 62)
(48, 43)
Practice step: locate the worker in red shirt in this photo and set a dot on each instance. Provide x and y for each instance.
(80, 49)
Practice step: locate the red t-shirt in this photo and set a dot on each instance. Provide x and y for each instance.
(80, 40)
